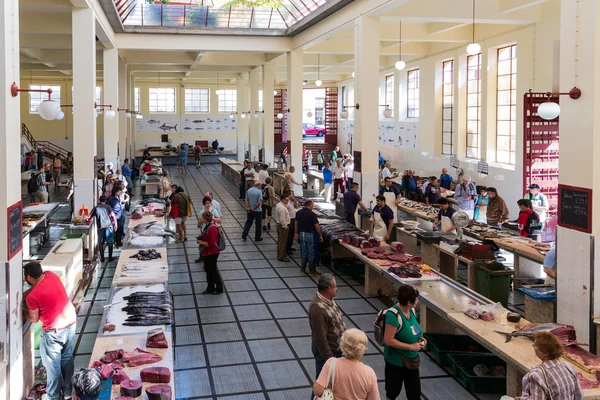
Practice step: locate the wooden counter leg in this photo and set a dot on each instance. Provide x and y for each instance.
(471, 276)
(448, 265)
(516, 283)
(429, 255)
(376, 284)
(514, 381)
(431, 322)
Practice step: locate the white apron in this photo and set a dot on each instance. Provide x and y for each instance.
(447, 223)
(379, 228)
(390, 200)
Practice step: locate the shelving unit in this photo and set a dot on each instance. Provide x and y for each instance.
(331, 114)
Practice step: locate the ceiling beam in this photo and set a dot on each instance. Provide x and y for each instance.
(233, 58)
(508, 6)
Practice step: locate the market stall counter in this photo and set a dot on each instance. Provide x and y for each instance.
(409, 238)
(36, 227)
(540, 303)
(171, 158)
(314, 180)
(231, 170)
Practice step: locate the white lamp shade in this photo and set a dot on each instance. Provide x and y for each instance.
(255, 115)
(274, 92)
(139, 116)
(243, 115)
(353, 74)
(344, 115)
(49, 110)
(548, 110)
(387, 113)
(473, 48)
(60, 116)
(127, 115)
(110, 114)
(304, 83)
(280, 115)
(318, 83)
(400, 65)
(309, 114)
(231, 116)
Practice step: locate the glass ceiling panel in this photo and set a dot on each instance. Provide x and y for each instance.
(215, 14)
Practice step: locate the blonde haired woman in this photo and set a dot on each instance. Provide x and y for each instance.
(353, 380)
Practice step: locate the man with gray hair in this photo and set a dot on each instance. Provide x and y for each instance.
(86, 384)
(326, 322)
(254, 199)
(466, 194)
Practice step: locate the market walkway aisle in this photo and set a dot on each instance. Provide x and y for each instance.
(253, 342)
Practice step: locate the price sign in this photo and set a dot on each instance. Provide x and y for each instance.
(15, 229)
(482, 167)
(454, 163)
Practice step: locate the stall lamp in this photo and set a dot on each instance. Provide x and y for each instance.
(274, 92)
(128, 113)
(473, 48)
(255, 115)
(231, 116)
(60, 116)
(549, 109)
(400, 65)
(243, 115)
(48, 109)
(387, 113)
(344, 114)
(304, 83)
(139, 116)
(279, 115)
(318, 83)
(110, 114)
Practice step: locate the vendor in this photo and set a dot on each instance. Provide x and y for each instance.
(351, 201)
(445, 216)
(382, 219)
(390, 192)
(538, 200)
(215, 144)
(550, 266)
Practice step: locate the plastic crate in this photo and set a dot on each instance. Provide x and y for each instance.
(73, 236)
(462, 369)
(442, 345)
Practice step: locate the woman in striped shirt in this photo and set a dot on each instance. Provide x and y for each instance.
(553, 379)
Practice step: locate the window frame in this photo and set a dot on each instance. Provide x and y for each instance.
(477, 107)
(136, 99)
(202, 92)
(412, 93)
(98, 100)
(448, 108)
(222, 102)
(512, 105)
(157, 109)
(260, 100)
(42, 96)
(389, 92)
(319, 111)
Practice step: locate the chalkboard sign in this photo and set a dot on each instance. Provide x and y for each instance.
(15, 229)
(482, 167)
(575, 208)
(357, 161)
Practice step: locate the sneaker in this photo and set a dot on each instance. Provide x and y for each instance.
(291, 249)
(314, 273)
(198, 260)
(303, 273)
(258, 240)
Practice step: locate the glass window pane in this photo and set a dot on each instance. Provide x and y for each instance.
(504, 113)
(472, 113)
(473, 127)
(472, 140)
(504, 82)
(503, 128)
(504, 54)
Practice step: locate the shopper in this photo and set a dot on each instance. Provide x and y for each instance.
(327, 182)
(250, 175)
(40, 157)
(353, 379)
(164, 186)
(292, 207)
(253, 201)
(309, 158)
(446, 179)
(69, 163)
(57, 165)
(264, 173)
(87, 384)
(480, 213)
(109, 169)
(433, 191)
(553, 378)
(306, 225)
(497, 211)
(106, 224)
(293, 180)
(466, 194)
(182, 201)
(381, 161)
(382, 219)
(283, 157)
(210, 253)
(349, 172)
(183, 158)
(445, 212)
(47, 301)
(529, 221)
(351, 201)
(320, 160)
(215, 144)
(333, 156)
(243, 180)
(550, 266)
(403, 339)
(287, 185)
(539, 201)
(268, 203)
(114, 202)
(409, 184)
(197, 154)
(326, 322)
(217, 219)
(282, 216)
(126, 169)
(41, 194)
(110, 184)
(339, 176)
(215, 204)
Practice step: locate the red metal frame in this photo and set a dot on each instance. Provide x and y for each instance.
(18, 204)
(331, 114)
(14, 91)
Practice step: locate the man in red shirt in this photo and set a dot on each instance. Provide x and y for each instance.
(47, 301)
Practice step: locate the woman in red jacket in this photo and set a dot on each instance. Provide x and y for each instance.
(210, 253)
(529, 220)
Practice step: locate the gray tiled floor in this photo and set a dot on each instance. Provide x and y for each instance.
(253, 341)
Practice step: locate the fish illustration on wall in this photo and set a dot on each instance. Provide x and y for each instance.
(153, 121)
(166, 127)
(187, 128)
(199, 121)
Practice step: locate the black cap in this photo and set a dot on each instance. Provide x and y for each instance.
(534, 186)
(492, 189)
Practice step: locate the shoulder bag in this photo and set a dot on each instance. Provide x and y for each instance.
(328, 393)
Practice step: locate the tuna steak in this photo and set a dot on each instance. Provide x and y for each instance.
(566, 333)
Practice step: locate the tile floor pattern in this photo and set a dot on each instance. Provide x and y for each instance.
(252, 342)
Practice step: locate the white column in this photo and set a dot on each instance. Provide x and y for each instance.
(121, 117)
(254, 122)
(84, 114)
(131, 121)
(294, 126)
(269, 117)
(10, 143)
(242, 123)
(111, 96)
(366, 94)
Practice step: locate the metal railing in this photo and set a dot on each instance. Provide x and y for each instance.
(47, 147)
(25, 132)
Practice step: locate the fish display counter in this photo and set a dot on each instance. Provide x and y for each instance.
(231, 170)
(414, 209)
(170, 157)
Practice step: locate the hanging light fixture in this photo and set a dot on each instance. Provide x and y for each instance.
(231, 116)
(48, 109)
(275, 92)
(353, 74)
(60, 116)
(318, 82)
(279, 115)
(243, 115)
(304, 83)
(473, 48)
(549, 109)
(400, 65)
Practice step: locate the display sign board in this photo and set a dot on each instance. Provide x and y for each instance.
(15, 229)
(454, 163)
(357, 161)
(575, 208)
(482, 167)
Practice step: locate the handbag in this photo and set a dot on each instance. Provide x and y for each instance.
(411, 363)
(328, 393)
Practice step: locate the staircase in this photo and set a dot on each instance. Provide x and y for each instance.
(49, 148)
(314, 147)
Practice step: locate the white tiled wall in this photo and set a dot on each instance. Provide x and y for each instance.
(573, 285)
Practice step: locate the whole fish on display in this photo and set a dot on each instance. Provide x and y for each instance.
(566, 333)
(146, 255)
(148, 308)
(153, 229)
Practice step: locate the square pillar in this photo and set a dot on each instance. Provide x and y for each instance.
(268, 143)
(294, 125)
(84, 115)
(366, 94)
(122, 117)
(242, 125)
(111, 96)
(254, 122)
